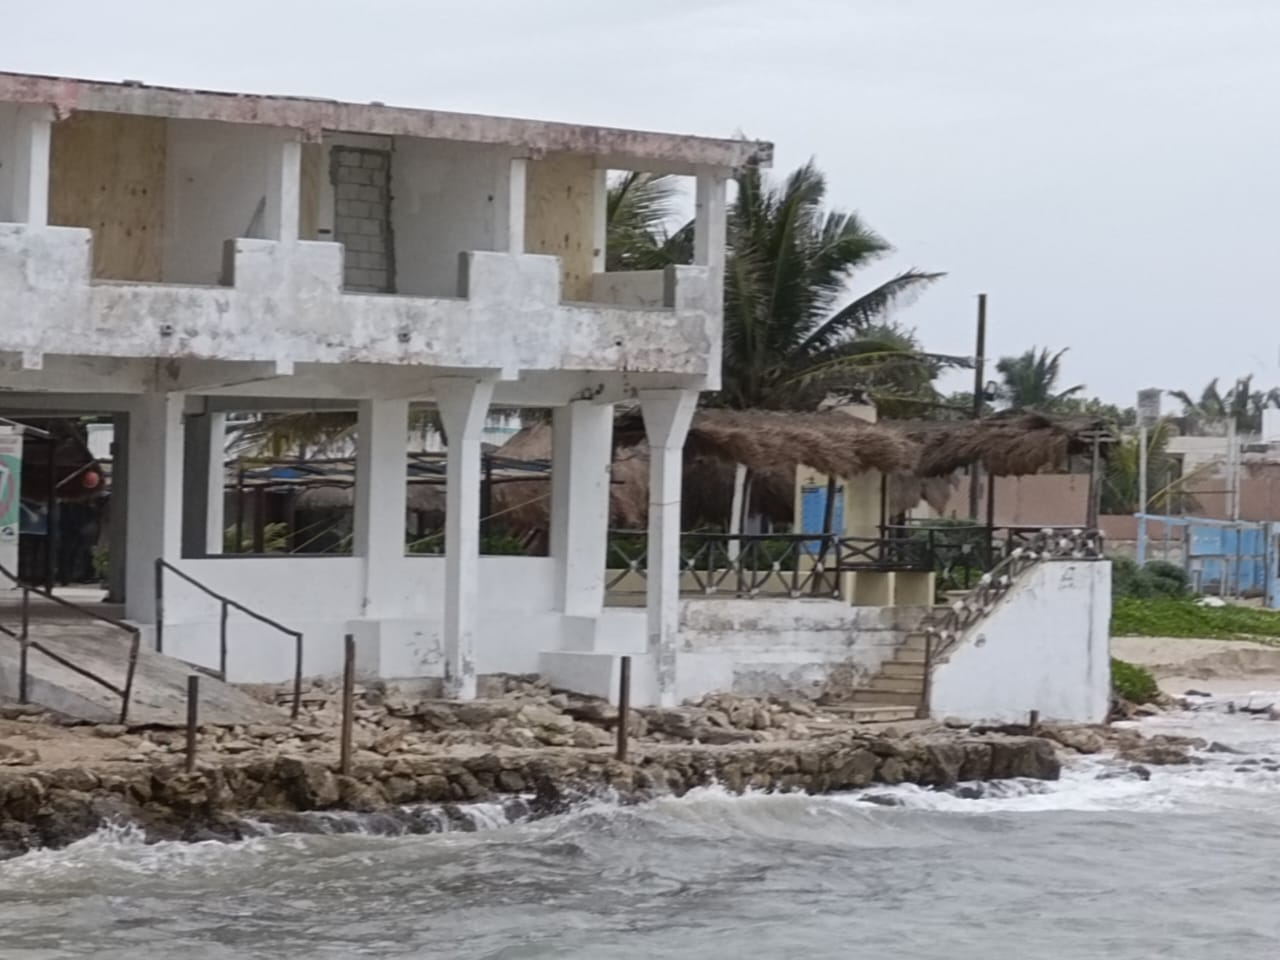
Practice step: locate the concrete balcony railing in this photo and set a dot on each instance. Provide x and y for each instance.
(284, 301)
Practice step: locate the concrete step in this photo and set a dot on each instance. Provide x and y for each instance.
(891, 684)
(869, 697)
(914, 658)
(900, 670)
(875, 714)
(159, 695)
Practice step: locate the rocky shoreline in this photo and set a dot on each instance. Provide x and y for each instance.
(420, 766)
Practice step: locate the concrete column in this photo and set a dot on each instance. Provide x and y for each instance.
(600, 215)
(382, 429)
(667, 415)
(117, 517)
(517, 194)
(581, 448)
(202, 485)
(24, 187)
(709, 224)
(284, 191)
(154, 520)
(463, 404)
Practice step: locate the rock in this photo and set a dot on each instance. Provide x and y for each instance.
(434, 788)
(359, 795)
(1156, 753)
(1077, 739)
(401, 789)
(882, 800)
(480, 713)
(593, 711)
(722, 735)
(106, 730)
(856, 770)
(1197, 693)
(11, 756)
(678, 722)
(511, 782)
(589, 737)
(308, 783)
(1217, 747)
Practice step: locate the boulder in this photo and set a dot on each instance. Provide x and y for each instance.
(307, 783)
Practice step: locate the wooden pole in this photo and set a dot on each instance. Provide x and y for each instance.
(193, 718)
(979, 389)
(348, 701)
(624, 707)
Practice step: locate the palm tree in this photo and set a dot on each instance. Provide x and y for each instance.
(790, 335)
(1031, 380)
(1166, 486)
(638, 224)
(1240, 403)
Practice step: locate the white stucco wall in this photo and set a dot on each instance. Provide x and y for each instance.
(321, 596)
(448, 198)
(215, 178)
(1045, 647)
(787, 647)
(287, 304)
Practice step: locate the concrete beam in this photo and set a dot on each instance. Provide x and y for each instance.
(625, 149)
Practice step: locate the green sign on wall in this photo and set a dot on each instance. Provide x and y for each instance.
(10, 485)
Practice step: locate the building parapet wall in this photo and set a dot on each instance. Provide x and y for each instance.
(284, 303)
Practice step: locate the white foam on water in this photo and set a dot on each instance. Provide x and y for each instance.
(122, 849)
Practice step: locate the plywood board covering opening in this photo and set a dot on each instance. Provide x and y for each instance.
(107, 173)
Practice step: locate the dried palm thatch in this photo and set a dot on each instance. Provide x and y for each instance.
(1008, 445)
(526, 505)
(828, 441)
(420, 497)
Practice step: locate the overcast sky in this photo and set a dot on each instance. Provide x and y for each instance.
(1108, 171)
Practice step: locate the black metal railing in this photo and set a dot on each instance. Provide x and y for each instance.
(27, 643)
(226, 605)
(962, 552)
(748, 565)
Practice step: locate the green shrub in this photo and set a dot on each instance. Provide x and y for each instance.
(1158, 578)
(1133, 683)
(1167, 579)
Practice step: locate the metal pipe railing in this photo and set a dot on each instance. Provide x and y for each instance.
(228, 604)
(26, 644)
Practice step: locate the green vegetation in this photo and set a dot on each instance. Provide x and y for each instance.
(1159, 578)
(1132, 683)
(1180, 617)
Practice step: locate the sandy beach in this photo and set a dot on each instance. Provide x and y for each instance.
(1220, 667)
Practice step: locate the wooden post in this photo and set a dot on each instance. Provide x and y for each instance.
(193, 718)
(348, 702)
(624, 707)
(979, 389)
(1033, 722)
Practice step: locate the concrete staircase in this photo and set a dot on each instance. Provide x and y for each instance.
(897, 691)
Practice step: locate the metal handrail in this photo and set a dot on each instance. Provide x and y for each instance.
(26, 644)
(226, 605)
(943, 634)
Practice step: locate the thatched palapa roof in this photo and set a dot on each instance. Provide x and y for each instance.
(833, 443)
(1004, 445)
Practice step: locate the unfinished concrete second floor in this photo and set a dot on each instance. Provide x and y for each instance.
(142, 222)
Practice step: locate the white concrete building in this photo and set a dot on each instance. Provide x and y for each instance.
(169, 256)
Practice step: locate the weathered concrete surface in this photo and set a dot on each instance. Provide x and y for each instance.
(664, 150)
(286, 301)
(159, 686)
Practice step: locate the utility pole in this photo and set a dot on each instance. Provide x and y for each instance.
(1148, 414)
(979, 391)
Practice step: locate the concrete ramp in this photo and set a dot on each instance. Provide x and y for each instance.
(159, 684)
